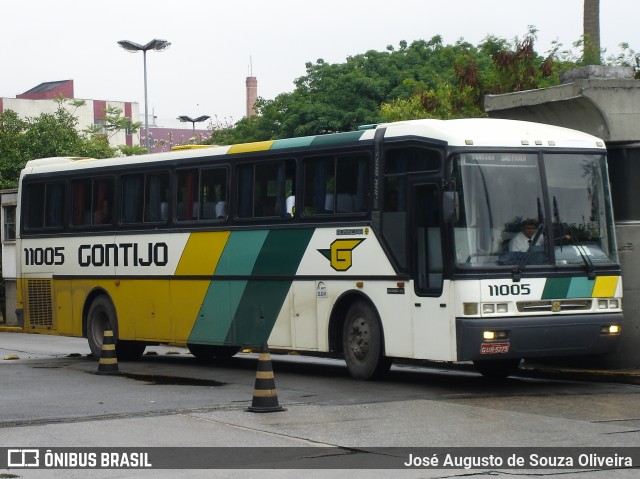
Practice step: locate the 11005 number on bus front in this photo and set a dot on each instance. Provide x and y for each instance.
(509, 289)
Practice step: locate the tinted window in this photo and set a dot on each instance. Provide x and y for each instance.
(336, 185)
(92, 202)
(266, 190)
(201, 194)
(45, 205)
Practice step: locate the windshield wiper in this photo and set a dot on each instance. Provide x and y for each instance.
(517, 271)
(578, 245)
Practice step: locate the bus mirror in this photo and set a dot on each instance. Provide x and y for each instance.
(450, 206)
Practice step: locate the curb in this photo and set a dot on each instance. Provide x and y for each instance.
(12, 329)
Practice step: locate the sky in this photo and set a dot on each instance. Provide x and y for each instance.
(215, 45)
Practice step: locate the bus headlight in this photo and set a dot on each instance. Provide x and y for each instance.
(611, 329)
(488, 335)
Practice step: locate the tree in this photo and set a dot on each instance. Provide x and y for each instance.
(495, 66)
(114, 122)
(418, 80)
(50, 134)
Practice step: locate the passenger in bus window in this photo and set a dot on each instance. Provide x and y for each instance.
(290, 205)
(523, 240)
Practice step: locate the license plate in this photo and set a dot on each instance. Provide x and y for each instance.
(494, 348)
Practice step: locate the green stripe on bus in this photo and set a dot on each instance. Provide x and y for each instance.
(243, 312)
(581, 287)
(292, 143)
(337, 138)
(223, 297)
(561, 288)
(263, 299)
(556, 288)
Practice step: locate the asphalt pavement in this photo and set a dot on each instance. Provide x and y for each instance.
(547, 370)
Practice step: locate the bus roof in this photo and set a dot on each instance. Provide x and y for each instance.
(473, 132)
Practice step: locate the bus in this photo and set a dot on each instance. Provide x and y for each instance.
(392, 242)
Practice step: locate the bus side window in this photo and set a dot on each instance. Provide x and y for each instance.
(335, 185)
(81, 202)
(213, 193)
(35, 206)
(245, 191)
(156, 196)
(92, 201)
(351, 178)
(263, 189)
(103, 196)
(319, 183)
(132, 198)
(45, 205)
(54, 205)
(187, 192)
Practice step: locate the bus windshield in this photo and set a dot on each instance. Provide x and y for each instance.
(507, 219)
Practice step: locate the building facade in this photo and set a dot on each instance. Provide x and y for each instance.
(40, 99)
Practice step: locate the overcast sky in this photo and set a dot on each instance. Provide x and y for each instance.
(204, 70)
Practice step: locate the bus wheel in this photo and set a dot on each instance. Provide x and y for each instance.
(209, 353)
(100, 313)
(497, 368)
(363, 344)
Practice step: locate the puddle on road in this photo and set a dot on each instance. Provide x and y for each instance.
(172, 380)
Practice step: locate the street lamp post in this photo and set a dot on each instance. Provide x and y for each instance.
(193, 121)
(157, 45)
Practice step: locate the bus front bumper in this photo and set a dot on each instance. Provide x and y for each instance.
(539, 336)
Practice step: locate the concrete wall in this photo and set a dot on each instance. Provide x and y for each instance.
(9, 198)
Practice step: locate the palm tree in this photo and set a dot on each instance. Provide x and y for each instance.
(591, 25)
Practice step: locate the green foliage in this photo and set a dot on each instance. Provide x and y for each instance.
(55, 134)
(132, 150)
(114, 122)
(423, 79)
(627, 58)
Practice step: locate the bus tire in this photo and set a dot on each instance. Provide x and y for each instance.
(100, 313)
(497, 369)
(362, 343)
(209, 353)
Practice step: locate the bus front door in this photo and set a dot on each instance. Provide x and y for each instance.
(432, 330)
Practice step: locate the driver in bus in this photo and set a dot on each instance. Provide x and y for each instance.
(522, 241)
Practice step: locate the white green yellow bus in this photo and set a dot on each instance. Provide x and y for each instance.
(391, 242)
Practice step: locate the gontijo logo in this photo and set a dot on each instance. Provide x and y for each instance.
(340, 253)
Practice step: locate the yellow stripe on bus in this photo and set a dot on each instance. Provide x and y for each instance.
(202, 253)
(249, 147)
(605, 287)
